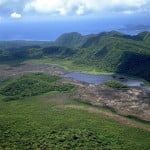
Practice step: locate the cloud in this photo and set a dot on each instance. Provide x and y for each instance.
(73, 7)
(9, 6)
(80, 7)
(2, 1)
(81, 10)
(15, 15)
(1, 19)
(44, 6)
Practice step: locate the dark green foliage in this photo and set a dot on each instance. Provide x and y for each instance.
(145, 36)
(58, 51)
(11, 98)
(19, 44)
(102, 53)
(135, 64)
(35, 53)
(115, 84)
(25, 87)
(42, 76)
(20, 54)
(33, 84)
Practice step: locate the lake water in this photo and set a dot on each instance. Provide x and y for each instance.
(100, 79)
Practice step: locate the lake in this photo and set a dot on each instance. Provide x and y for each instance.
(100, 79)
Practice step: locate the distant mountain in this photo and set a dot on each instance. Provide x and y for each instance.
(106, 37)
(73, 39)
(106, 51)
(135, 28)
(20, 43)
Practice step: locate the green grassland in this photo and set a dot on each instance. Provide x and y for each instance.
(67, 64)
(54, 120)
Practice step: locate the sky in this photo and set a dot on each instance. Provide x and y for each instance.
(47, 19)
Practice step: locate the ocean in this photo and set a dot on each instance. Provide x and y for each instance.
(51, 29)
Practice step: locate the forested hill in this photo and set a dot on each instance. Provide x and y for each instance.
(5, 45)
(75, 39)
(107, 51)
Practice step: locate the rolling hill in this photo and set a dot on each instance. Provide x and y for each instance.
(107, 51)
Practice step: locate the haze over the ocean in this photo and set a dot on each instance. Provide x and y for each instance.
(47, 19)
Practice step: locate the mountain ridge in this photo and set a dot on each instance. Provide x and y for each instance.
(106, 51)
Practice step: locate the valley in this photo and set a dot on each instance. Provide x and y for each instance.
(45, 111)
(133, 101)
(90, 92)
(74, 75)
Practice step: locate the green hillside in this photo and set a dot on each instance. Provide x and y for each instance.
(52, 119)
(106, 52)
(145, 36)
(73, 39)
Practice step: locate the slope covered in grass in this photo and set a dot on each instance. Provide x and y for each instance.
(37, 123)
(55, 120)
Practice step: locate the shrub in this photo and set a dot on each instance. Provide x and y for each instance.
(33, 84)
(115, 84)
(11, 98)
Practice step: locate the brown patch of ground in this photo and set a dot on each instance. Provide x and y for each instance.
(60, 99)
(6, 72)
(127, 102)
(132, 101)
(109, 115)
(64, 100)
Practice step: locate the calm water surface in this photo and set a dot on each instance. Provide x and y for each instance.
(99, 79)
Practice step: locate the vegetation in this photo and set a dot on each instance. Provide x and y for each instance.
(37, 110)
(115, 84)
(42, 122)
(105, 52)
(33, 84)
(12, 45)
(72, 39)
